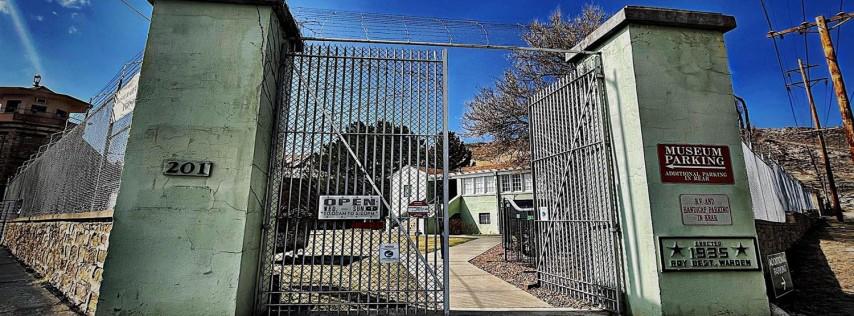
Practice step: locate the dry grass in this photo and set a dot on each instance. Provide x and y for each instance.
(433, 242)
(822, 266)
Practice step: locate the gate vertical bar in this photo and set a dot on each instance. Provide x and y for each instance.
(446, 303)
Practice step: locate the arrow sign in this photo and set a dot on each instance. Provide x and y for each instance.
(694, 167)
(781, 277)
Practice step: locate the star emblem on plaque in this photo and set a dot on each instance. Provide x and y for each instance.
(740, 250)
(676, 249)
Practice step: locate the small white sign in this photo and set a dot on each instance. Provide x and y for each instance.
(418, 209)
(389, 253)
(705, 209)
(544, 213)
(349, 207)
(126, 98)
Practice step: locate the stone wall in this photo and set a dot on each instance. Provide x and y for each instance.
(777, 237)
(69, 254)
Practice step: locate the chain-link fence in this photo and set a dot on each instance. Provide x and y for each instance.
(79, 169)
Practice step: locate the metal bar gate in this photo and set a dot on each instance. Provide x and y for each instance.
(574, 189)
(356, 198)
(518, 231)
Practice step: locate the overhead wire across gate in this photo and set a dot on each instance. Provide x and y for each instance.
(358, 121)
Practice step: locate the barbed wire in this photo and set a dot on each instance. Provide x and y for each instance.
(338, 24)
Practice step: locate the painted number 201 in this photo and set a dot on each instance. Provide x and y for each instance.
(187, 168)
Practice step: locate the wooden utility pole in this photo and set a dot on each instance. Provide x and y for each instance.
(834, 195)
(838, 83)
(832, 66)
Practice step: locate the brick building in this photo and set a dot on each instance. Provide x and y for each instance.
(28, 116)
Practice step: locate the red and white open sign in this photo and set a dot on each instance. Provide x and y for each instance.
(417, 209)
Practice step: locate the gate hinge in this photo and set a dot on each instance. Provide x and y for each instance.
(616, 229)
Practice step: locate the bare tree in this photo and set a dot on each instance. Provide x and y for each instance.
(501, 112)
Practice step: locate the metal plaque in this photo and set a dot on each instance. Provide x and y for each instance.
(708, 253)
(418, 209)
(698, 164)
(705, 209)
(389, 253)
(781, 277)
(349, 207)
(190, 168)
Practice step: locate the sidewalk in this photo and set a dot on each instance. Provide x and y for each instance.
(473, 288)
(22, 294)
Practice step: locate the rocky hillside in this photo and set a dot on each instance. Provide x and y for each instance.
(791, 148)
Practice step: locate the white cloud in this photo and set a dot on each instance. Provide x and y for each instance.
(54, 13)
(73, 4)
(4, 7)
(72, 30)
(8, 7)
(39, 18)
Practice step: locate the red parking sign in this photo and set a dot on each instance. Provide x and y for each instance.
(699, 164)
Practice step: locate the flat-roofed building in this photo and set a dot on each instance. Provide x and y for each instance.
(28, 116)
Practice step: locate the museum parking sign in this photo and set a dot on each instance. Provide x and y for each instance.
(697, 164)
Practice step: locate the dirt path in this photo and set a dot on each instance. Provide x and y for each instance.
(822, 265)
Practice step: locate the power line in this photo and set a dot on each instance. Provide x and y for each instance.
(135, 10)
(804, 35)
(780, 62)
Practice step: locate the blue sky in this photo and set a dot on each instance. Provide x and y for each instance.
(78, 45)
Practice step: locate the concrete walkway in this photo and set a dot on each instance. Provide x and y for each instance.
(473, 288)
(22, 294)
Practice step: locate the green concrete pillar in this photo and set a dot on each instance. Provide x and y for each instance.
(188, 245)
(685, 208)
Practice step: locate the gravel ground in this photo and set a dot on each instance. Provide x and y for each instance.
(822, 266)
(521, 276)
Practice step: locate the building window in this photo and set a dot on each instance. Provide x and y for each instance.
(505, 183)
(11, 106)
(520, 182)
(517, 182)
(61, 114)
(38, 108)
(468, 186)
(483, 218)
(40, 100)
(529, 182)
(489, 184)
(407, 190)
(478, 185)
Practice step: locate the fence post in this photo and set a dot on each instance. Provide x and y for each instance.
(678, 150)
(188, 245)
